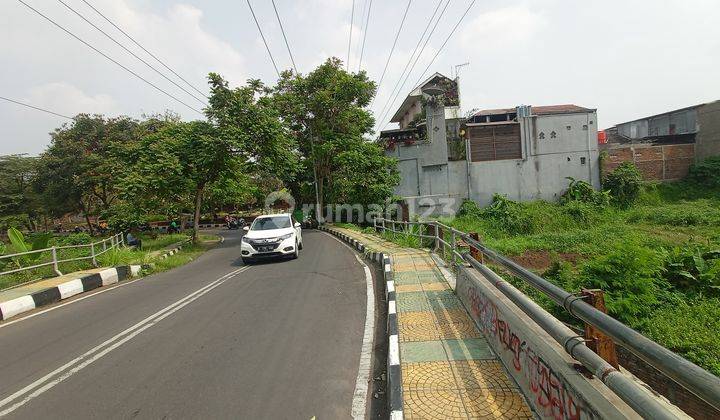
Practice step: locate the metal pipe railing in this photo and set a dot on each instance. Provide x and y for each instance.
(639, 400)
(695, 379)
(115, 242)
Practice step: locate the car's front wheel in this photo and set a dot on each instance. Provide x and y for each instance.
(297, 252)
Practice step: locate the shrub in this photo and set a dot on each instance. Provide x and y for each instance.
(581, 191)
(509, 216)
(74, 239)
(630, 275)
(690, 329)
(706, 172)
(692, 269)
(469, 208)
(624, 184)
(579, 211)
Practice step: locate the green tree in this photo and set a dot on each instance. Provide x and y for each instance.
(78, 172)
(19, 204)
(327, 113)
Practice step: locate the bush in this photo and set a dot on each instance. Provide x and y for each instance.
(469, 208)
(509, 216)
(74, 239)
(691, 269)
(689, 329)
(579, 211)
(583, 192)
(706, 172)
(624, 184)
(630, 276)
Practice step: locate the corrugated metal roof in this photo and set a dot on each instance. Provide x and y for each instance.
(538, 110)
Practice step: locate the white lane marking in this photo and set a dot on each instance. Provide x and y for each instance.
(65, 371)
(394, 351)
(362, 381)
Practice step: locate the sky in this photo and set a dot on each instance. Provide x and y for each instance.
(628, 59)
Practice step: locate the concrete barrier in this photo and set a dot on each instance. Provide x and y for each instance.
(550, 379)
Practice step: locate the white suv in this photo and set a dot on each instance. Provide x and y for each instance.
(272, 235)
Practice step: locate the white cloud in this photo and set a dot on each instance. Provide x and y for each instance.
(501, 28)
(70, 100)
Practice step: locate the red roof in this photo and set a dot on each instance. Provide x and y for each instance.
(538, 110)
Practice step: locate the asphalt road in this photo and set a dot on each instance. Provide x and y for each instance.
(274, 340)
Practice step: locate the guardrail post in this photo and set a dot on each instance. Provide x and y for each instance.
(375, 224)
(92, 253)
(437, 237)
(453, 245)
(597, 341)
(55, 262)
(474, 252)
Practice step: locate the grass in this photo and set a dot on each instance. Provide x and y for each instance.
(122, 256)
(655, 260)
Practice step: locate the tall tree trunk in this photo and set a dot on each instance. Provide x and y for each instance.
(198, 203)
(320, 201)
(87, 219)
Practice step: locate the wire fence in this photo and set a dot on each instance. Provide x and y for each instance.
(56, 255)
(462, 248)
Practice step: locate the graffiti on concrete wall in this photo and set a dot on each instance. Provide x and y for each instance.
(550, 393)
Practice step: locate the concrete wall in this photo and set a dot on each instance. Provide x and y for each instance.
(707, 141)
(655, 162)
(540, 366)
(547, 161)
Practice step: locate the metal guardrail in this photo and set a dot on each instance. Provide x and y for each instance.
(695, 379)
(94, 251)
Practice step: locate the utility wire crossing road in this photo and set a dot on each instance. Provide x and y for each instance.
(212, 339)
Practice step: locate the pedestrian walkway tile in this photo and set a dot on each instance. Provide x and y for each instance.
(469, 348)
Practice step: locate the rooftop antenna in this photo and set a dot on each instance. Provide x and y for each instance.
(457, 82)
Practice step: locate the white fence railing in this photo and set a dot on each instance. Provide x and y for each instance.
(94, 249)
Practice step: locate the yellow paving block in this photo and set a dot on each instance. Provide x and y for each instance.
(427, 375)
(435, 287)
(417, 287)
(433, 404)
(495, 403)
(473, 374)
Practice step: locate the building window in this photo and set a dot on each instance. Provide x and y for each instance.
(498, 142)
(568, 128)
(541, 136)
(585, 127)
(583, 160)
(553, 135)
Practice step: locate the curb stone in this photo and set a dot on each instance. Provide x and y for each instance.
(394, 373)
(67, 289)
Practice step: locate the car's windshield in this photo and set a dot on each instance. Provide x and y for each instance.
(267, 223)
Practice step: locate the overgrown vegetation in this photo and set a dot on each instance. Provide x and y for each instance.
(653, 248)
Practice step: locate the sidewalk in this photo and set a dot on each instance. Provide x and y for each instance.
(448, 368)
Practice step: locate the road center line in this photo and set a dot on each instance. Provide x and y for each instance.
(43, 384)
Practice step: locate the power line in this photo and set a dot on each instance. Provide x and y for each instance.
(34, 107)
(107, 57)
(130, 52)
(143, 48)
(472, 3)
(362, 50)
(405, 75)
(402, 73)
(263, 38)
(352, 18)
(284, 37)
(397, 35)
